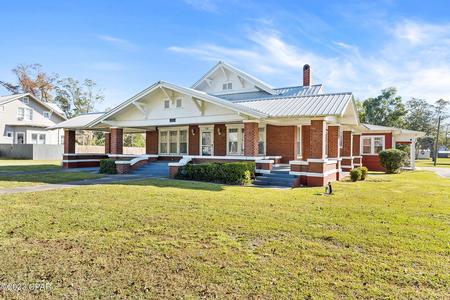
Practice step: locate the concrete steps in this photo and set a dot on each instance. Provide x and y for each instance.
(278, 177)
(154, 169)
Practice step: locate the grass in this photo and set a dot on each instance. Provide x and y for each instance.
(441, 163)
(12, 181)
(25, 165)
(387, 237)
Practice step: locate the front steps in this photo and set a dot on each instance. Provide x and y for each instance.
(278, 177)
(154, 169)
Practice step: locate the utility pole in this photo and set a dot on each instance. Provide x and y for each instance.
(437, 141)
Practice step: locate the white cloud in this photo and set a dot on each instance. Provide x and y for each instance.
(414, 58)
(204, 5)
(118, 42)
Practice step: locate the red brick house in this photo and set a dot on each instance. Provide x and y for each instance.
(229, 115)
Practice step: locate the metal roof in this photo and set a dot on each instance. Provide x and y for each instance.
(302, 106)
(293, 91)
(77, 122)
(379, 128)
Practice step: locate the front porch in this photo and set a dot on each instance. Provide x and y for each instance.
(316, 153)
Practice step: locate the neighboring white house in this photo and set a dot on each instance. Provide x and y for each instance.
(24, 119)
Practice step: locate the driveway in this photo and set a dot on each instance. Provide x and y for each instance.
(444, 172)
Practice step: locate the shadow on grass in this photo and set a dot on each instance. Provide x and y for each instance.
(48, 178)
(176, 183)
(28, 168)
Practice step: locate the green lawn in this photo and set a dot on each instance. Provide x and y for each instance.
(384, 238)
(441, 163)
(43, 178)
(21, 165)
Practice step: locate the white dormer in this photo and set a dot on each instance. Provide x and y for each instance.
(226, 79)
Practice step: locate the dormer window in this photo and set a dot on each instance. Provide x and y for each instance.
(25, 100)
(47, 114)
(227, 86)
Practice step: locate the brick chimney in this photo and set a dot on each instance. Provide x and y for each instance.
(306, 75)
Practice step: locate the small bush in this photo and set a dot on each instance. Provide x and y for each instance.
(230, 173)
(108, 166)
(364, 172)
(355, 174)
(392, 160)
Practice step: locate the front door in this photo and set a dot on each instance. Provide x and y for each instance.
(206, 141)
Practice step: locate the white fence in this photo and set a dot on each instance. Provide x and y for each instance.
(101, 149)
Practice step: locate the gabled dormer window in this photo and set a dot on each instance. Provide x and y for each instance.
(26, 100)
(47, 114)
(227, 86)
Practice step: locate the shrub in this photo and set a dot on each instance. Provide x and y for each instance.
(392, 160)
(230, 173)
(364, 171)
(108, 166)
(355, 174)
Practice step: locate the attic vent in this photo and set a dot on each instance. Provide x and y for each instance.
(172, 120)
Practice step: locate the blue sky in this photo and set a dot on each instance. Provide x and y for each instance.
(127, 45)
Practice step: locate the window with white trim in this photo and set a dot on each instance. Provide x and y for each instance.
(2, 108)
(25, 100)
(326, 142)
(173, 141)
(9, 134)
(262, 141)
(20, 113)
(42, 138)
(166, 104)
(34, 138)
(28, 114)
(235, 140)
(341, 139)
(227, 86)
(372, 145)
(46, 114)
(179, 103)
(299, 141)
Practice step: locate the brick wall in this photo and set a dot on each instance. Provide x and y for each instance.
(251, 137)
(220, 140)
(116, 140)
(69, 141)
(282, 140)
(151, 142)
(356, 145)
(317, 138)
(194, 140)
(333, 141)
(107, 142)
(347, 143)
(306, 142)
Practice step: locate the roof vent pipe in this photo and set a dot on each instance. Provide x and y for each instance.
(306, 75)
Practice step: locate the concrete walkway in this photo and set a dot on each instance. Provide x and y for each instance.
(444, 172)
(111, 179)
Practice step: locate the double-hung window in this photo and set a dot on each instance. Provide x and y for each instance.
(173, 141)
(28, 114)
(235, 139)
(20, 113)
(372, 145)
(262, 141)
